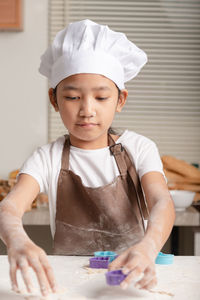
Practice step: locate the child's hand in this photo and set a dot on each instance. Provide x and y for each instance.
(22, 254)
(138, 261)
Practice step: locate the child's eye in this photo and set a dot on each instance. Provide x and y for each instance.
(71, 98)
(102, 98)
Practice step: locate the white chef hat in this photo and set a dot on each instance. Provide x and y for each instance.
(87, 47)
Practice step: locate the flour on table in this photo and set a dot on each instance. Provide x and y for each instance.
(36, 295)
(162, 293)
(62, 294)
(94, 271)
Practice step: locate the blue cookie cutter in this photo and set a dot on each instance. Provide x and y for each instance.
(100, 262)
(112, 255)
(164, 259)
(115, 277)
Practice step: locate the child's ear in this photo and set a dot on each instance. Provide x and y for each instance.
(122, 100)
(53, 100)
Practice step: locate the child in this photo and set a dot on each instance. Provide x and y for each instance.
(92, 176)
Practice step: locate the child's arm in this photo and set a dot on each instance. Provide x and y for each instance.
(22, 252)
(139, 259)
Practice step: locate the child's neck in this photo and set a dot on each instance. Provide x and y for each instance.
(98, 143)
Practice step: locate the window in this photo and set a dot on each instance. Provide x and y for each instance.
(164, 99)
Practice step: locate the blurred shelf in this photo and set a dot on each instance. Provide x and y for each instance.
(188, 217)
(37, 216)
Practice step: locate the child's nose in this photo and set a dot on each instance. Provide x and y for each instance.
(87, 108)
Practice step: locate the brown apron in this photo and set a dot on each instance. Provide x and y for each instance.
(105, 218)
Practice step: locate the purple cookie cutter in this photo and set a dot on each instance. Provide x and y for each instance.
(99, 262)
(115, 277)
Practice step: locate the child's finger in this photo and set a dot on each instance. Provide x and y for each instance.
(24, 268)
(134, 275)
(118, 262)
(41, 275)
(49, 272)
(149, 276)
(132, 264)
(13, 275)
(150, 285)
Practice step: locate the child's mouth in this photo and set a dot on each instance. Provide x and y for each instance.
(87, 125)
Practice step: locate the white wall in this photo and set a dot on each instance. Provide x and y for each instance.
(23, 91)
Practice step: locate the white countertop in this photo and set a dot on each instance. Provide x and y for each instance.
(40, 216)
(179, 281)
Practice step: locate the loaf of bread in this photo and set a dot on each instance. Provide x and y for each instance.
(4, 188)
(184, 186)
(180, 167)
(181, 175)
(13, 174)
(7, 185)
(42, 199)
(197, 197)
(176, 177)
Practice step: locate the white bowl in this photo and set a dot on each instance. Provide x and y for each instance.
(182, 199)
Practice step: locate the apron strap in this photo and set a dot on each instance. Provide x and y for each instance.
(65, 153)
(117, 151)
(135, 178)
(125, 164)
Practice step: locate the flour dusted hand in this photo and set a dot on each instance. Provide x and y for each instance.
(23, 254)
(138, 262)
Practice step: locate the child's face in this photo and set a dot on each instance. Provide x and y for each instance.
(87, 104)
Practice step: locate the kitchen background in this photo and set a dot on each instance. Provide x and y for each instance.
(164, 100)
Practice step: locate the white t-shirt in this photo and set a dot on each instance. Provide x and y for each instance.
(95, 167)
